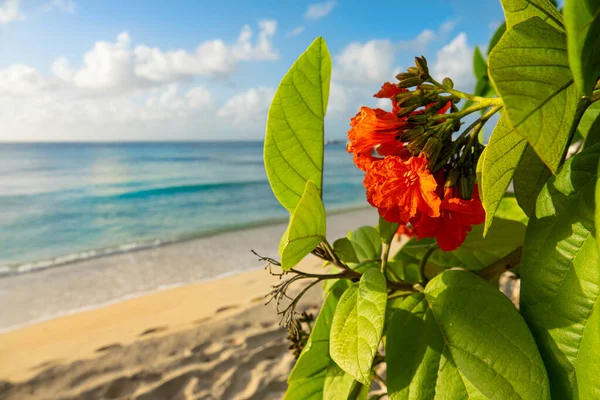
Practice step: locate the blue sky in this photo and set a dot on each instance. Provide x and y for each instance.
(207, 70)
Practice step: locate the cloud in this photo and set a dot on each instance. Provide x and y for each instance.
(418, 44)
(319, 10)
(367, 63)
(295, 32)
(454, 61)
(248, 106)
(23, 80)
(449, 25)
(68, 6)
(119, 67)
(9, 11)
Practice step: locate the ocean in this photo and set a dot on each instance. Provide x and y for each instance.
(64, 202)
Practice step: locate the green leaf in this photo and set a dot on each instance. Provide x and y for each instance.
(358, 325)
(589, 126)
(582, 19)
(560, 278)
(294, 140)
(479, 64)
(462, 339)
(307, 378)
(510, 209)
(517, 11)
(531, 175)
(339, 385)
(530, 69)
(496, 38)
(307, 228)
(367, 243)
(387, 230)
(497, 166)
(344, 250)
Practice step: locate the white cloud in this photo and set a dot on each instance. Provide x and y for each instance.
(23, 80)
(248, 106)
(9, 11)
(418, 44)
(295, 32)
(68, 6)
(454, 61)
(449, 25)
(367, 63)
(319, 10)
(117, 67)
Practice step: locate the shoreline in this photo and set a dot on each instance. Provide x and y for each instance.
(216, 339)
(26, 267)
(94, 283)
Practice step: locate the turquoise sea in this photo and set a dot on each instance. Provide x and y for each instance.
(64, 202)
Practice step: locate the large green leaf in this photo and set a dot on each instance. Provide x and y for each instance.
(531, 175)
(339, 384)
(345, 250)
(530, 69)
(462, 339)
(497, 166)
(358, 325)
(582, 18)
(367, 243)
(590, 118)
(496, 38)
(308, 376)
(307, 228)
(560, 278)
(517, 11)
(294, 141)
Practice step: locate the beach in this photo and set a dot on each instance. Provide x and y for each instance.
(181, 321)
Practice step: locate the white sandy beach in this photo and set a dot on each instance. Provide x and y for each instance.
(208, 340)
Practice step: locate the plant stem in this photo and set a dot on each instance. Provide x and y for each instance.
(384, 259)
(336, 260)
(422, 278)
(487, 101)
(584, 103)
(497, 268)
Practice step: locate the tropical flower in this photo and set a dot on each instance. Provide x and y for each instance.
(400, 187)
(454, 222)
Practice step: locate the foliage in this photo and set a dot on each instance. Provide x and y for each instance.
(431, 311)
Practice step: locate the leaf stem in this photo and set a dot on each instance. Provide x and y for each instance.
(384, 259)
(584, 103)
(422, 278)
(486, 101)
(498, 267)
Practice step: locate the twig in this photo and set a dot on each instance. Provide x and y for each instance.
(497, 268)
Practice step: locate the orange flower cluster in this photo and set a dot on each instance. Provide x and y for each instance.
(400, 184)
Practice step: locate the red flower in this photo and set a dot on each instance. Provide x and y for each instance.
(399, 188)
(456, 217)
(389, 91)
(376, 128)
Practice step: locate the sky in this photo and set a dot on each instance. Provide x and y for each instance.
(144, 70)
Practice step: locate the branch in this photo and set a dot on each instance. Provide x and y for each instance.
(497, 268)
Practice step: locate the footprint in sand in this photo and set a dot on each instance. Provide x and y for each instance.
(226, 308)
(109, 347)
(157, 329)
(45, 364)
(120, 387)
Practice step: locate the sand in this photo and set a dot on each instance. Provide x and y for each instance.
(208, 340)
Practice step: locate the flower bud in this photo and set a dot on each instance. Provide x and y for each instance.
(415, 146)
(432, 150)
(413, 133)
(465, 191)
(403, 95)
(410, 101)
(413, 70)
(406, 111)
(447, 82)
(410, 82)
(417, 119)
(421, 64)
(428, 87)
(405, 75)
(452, 179)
